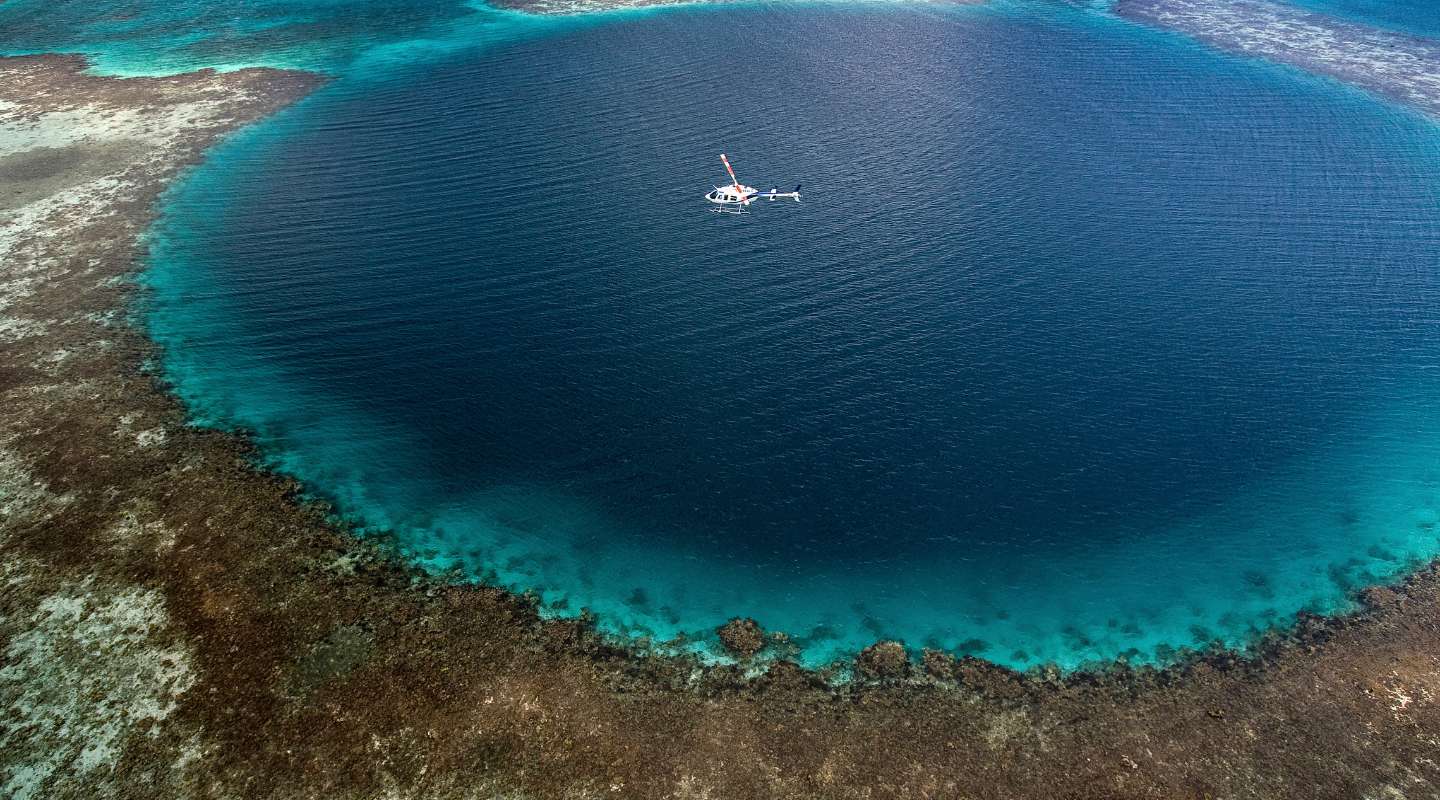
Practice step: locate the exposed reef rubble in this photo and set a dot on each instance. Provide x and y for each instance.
(175, 622)
(1395, 65)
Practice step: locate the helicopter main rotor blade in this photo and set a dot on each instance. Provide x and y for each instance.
(736, 180)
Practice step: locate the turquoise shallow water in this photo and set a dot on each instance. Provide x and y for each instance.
(1130, 347)
(356, 39)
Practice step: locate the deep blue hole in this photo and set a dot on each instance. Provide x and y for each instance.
(1054, 287)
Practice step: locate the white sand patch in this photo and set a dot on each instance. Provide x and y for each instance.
(106, 319)
(345, 564)
(22, 495)
(1005, 726)
(93, 124)
(1404, 694)
(25, 231)
(131, 531)
(14, 329)
(148, 437)
(85, 669)
(692, 788)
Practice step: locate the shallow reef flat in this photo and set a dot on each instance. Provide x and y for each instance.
(1395, 65)
(593, 6)
(176, 623)
(582, 6)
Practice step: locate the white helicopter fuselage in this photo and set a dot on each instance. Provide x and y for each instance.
(733, 195)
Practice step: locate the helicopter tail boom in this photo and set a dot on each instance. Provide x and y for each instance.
(776, 194)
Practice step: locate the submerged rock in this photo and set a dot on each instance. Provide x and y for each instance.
(1378, 597)
(989, 678)
(938, 664)
(742, 636)
(883, 661)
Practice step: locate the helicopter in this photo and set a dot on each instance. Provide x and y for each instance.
(736, 197)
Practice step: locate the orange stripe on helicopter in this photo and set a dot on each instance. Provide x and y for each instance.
(731, 171)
